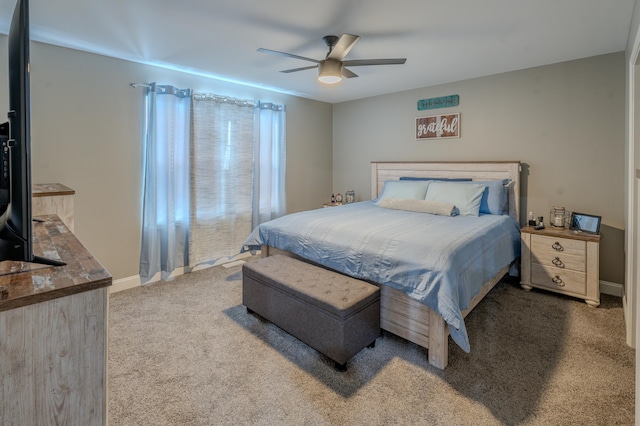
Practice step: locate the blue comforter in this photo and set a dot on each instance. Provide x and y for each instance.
(441, 261)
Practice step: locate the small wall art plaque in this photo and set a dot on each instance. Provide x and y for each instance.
(441, 102)
(438, 126)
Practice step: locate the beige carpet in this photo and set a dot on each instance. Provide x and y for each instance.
(187, 353)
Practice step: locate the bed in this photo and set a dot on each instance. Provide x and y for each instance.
(428, 285)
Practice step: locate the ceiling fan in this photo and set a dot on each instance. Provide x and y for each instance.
(333, 67)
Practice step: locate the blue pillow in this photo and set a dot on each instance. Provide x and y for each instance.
(412, 190)
(433, 178)
(465, 196)
(494, 198)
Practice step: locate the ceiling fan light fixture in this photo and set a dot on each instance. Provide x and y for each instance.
(330, 71)
(333, 68)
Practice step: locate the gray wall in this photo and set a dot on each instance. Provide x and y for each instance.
(565, 122)
(86, 134)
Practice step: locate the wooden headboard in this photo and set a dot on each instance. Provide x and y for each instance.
(382, 171)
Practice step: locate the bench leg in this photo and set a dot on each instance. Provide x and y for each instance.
(250, 311)
(340, 367)
(372, 344)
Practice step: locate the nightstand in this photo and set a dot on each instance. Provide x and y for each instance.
(561, 260)
(331, 204)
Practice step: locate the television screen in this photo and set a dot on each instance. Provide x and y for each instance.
(15, 222)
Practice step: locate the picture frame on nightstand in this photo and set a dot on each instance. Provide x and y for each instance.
(582, 222)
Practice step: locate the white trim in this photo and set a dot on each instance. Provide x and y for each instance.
(125, 284)
(223, 261)
(134, 281)
(631, 301)
(612, 289)
(630, 306)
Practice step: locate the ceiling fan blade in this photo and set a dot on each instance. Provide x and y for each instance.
(343, 46)
(348, 73)
(288, 55)
(361, 62)
(299, 69)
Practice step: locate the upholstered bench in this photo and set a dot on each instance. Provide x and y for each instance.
(335, 314)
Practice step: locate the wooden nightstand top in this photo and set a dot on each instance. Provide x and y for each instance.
(561, 233)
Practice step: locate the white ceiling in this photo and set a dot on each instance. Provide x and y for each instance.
(443, 40)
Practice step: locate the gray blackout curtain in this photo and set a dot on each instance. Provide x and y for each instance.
(269, 201)
(165, 191)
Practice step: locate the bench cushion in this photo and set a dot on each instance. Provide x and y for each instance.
(334, 293)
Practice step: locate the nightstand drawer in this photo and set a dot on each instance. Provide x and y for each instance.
(560, 260)
(559, 279)
(545, 246)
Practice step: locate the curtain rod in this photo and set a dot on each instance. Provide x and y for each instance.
(164, 89)
(223, 99)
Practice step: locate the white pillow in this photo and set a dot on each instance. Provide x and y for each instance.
(404, 189)
(465, 196)
(421, 206)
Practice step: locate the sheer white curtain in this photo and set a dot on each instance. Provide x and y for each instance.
(165, 204)
(221, 176)
(269, 200)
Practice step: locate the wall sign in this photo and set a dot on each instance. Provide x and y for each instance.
(441, 102)
(438, 126)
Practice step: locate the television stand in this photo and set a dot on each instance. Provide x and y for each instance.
(53, 332)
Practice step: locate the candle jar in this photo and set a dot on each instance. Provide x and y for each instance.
(350, 196)
(557, 217)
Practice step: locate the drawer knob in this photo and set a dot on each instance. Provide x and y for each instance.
(557, 262)
(558, 281)
(557, 246)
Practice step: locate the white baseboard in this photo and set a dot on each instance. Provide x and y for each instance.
(125, 284)
(224, 261)
(613, 289)
(135, 281)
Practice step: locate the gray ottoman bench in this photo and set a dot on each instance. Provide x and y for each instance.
(335, 314)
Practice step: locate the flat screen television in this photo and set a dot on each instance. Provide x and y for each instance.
(15, 166)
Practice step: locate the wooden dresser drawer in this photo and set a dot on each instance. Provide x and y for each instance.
(542, 245)
(559, 279)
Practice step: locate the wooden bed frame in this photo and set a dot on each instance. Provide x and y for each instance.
(406, 317)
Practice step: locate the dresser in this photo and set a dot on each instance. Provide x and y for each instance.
(561, 260)
(53, 198)
(53, 334)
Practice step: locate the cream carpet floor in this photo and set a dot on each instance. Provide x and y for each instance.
(186, 352)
